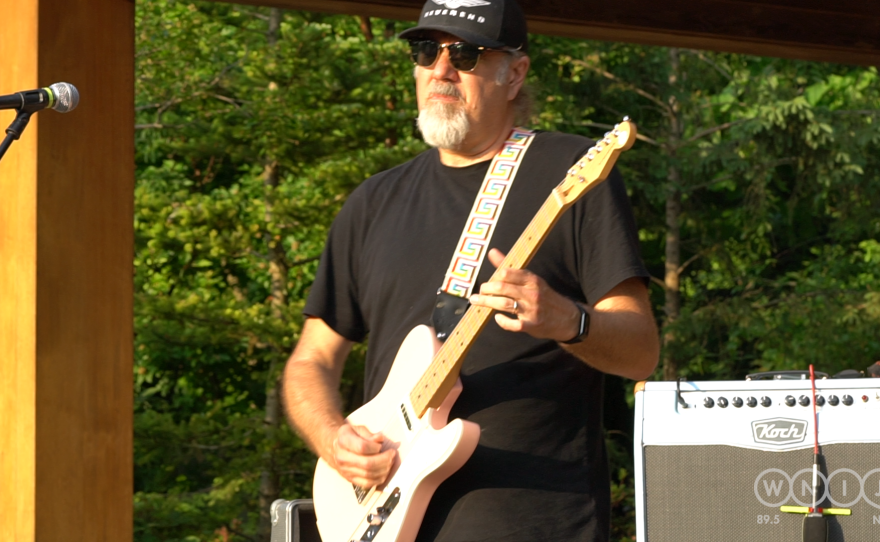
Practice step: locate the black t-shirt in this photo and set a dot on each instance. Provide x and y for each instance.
(539, 471)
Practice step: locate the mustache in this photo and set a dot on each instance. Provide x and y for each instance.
(443, 89)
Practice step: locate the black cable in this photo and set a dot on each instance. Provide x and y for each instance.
(15, 130)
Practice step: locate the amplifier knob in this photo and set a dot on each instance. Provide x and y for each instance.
(708, 402)
(803, 400)
(833, 400)
(765, 401)
(722, 402)
(864, 398)
(789, 400)
(847, 400)
(752, 402)
(820, 401)
(737, 402)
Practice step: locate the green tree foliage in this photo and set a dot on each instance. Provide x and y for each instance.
(755, 184)
(756, 188)
(252, 129)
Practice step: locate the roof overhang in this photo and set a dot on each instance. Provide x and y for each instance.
(845, 31)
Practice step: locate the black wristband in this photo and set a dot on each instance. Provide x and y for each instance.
(583, 328)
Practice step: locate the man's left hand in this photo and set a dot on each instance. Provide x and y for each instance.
(539, 310)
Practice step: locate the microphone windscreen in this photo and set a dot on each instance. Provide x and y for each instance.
(66, 95)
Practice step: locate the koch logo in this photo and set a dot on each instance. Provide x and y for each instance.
(779, 431)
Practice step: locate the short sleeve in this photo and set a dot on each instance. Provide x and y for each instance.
(334, 294)
(608, 244)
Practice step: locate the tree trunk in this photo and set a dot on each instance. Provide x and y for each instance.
(672, 305)
(367, 27)
(274, 26)
(269, 479)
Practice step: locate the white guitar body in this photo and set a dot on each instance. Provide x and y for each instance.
(429, 451)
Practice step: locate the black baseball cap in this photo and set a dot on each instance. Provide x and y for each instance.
(489, 23)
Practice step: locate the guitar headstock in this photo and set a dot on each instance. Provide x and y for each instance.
(594, 167)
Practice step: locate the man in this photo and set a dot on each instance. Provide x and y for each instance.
(539, 471)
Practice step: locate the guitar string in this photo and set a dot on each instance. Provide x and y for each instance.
(475, 318)
(441, 374)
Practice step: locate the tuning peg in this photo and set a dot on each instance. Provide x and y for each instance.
(626, 118)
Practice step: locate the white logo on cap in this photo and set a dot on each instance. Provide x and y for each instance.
(455, 4)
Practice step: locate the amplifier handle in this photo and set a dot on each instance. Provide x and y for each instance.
(785, 375)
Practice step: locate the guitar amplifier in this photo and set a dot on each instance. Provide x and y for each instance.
(716, 460)
(294, 521)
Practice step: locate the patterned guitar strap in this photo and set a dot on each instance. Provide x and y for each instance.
(458, 285)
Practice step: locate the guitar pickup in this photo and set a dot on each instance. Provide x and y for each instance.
(406, 416)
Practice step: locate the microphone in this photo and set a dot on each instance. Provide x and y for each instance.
(61, 97)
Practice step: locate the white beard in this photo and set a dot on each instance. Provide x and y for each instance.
(444, 125)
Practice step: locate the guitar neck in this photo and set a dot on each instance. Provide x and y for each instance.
(593, 168)
(444, 370)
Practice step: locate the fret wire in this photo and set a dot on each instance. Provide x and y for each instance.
(476, 317)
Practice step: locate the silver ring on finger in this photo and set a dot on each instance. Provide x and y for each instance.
(515, 307)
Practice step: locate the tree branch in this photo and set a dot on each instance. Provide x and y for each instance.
(714, 129)
(689, 261)
(702, 56)
(639, 136)
(239, 533)
(305, 261)
(856, 112)
(706, 185)
(629, 86)
(226, 99)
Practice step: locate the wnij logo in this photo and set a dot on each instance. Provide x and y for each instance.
(843, 488)
(455, 4)
(779, 431)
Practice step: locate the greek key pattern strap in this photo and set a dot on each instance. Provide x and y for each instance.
(473, 244)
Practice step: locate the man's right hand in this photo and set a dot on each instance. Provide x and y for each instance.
(359, 456)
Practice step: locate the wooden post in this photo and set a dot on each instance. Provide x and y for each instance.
(66, 245)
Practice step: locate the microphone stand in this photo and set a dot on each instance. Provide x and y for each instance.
(15, 130)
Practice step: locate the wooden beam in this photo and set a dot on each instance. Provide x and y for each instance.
(66, 251)
(847, 31)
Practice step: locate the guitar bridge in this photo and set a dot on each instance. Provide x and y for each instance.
(376, 519)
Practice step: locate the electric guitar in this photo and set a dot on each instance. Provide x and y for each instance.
(412, 408)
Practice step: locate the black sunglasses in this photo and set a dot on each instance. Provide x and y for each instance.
(462, 55)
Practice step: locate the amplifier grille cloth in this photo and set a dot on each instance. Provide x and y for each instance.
(707, 492)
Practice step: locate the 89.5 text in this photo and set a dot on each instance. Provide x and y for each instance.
(766, 520)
